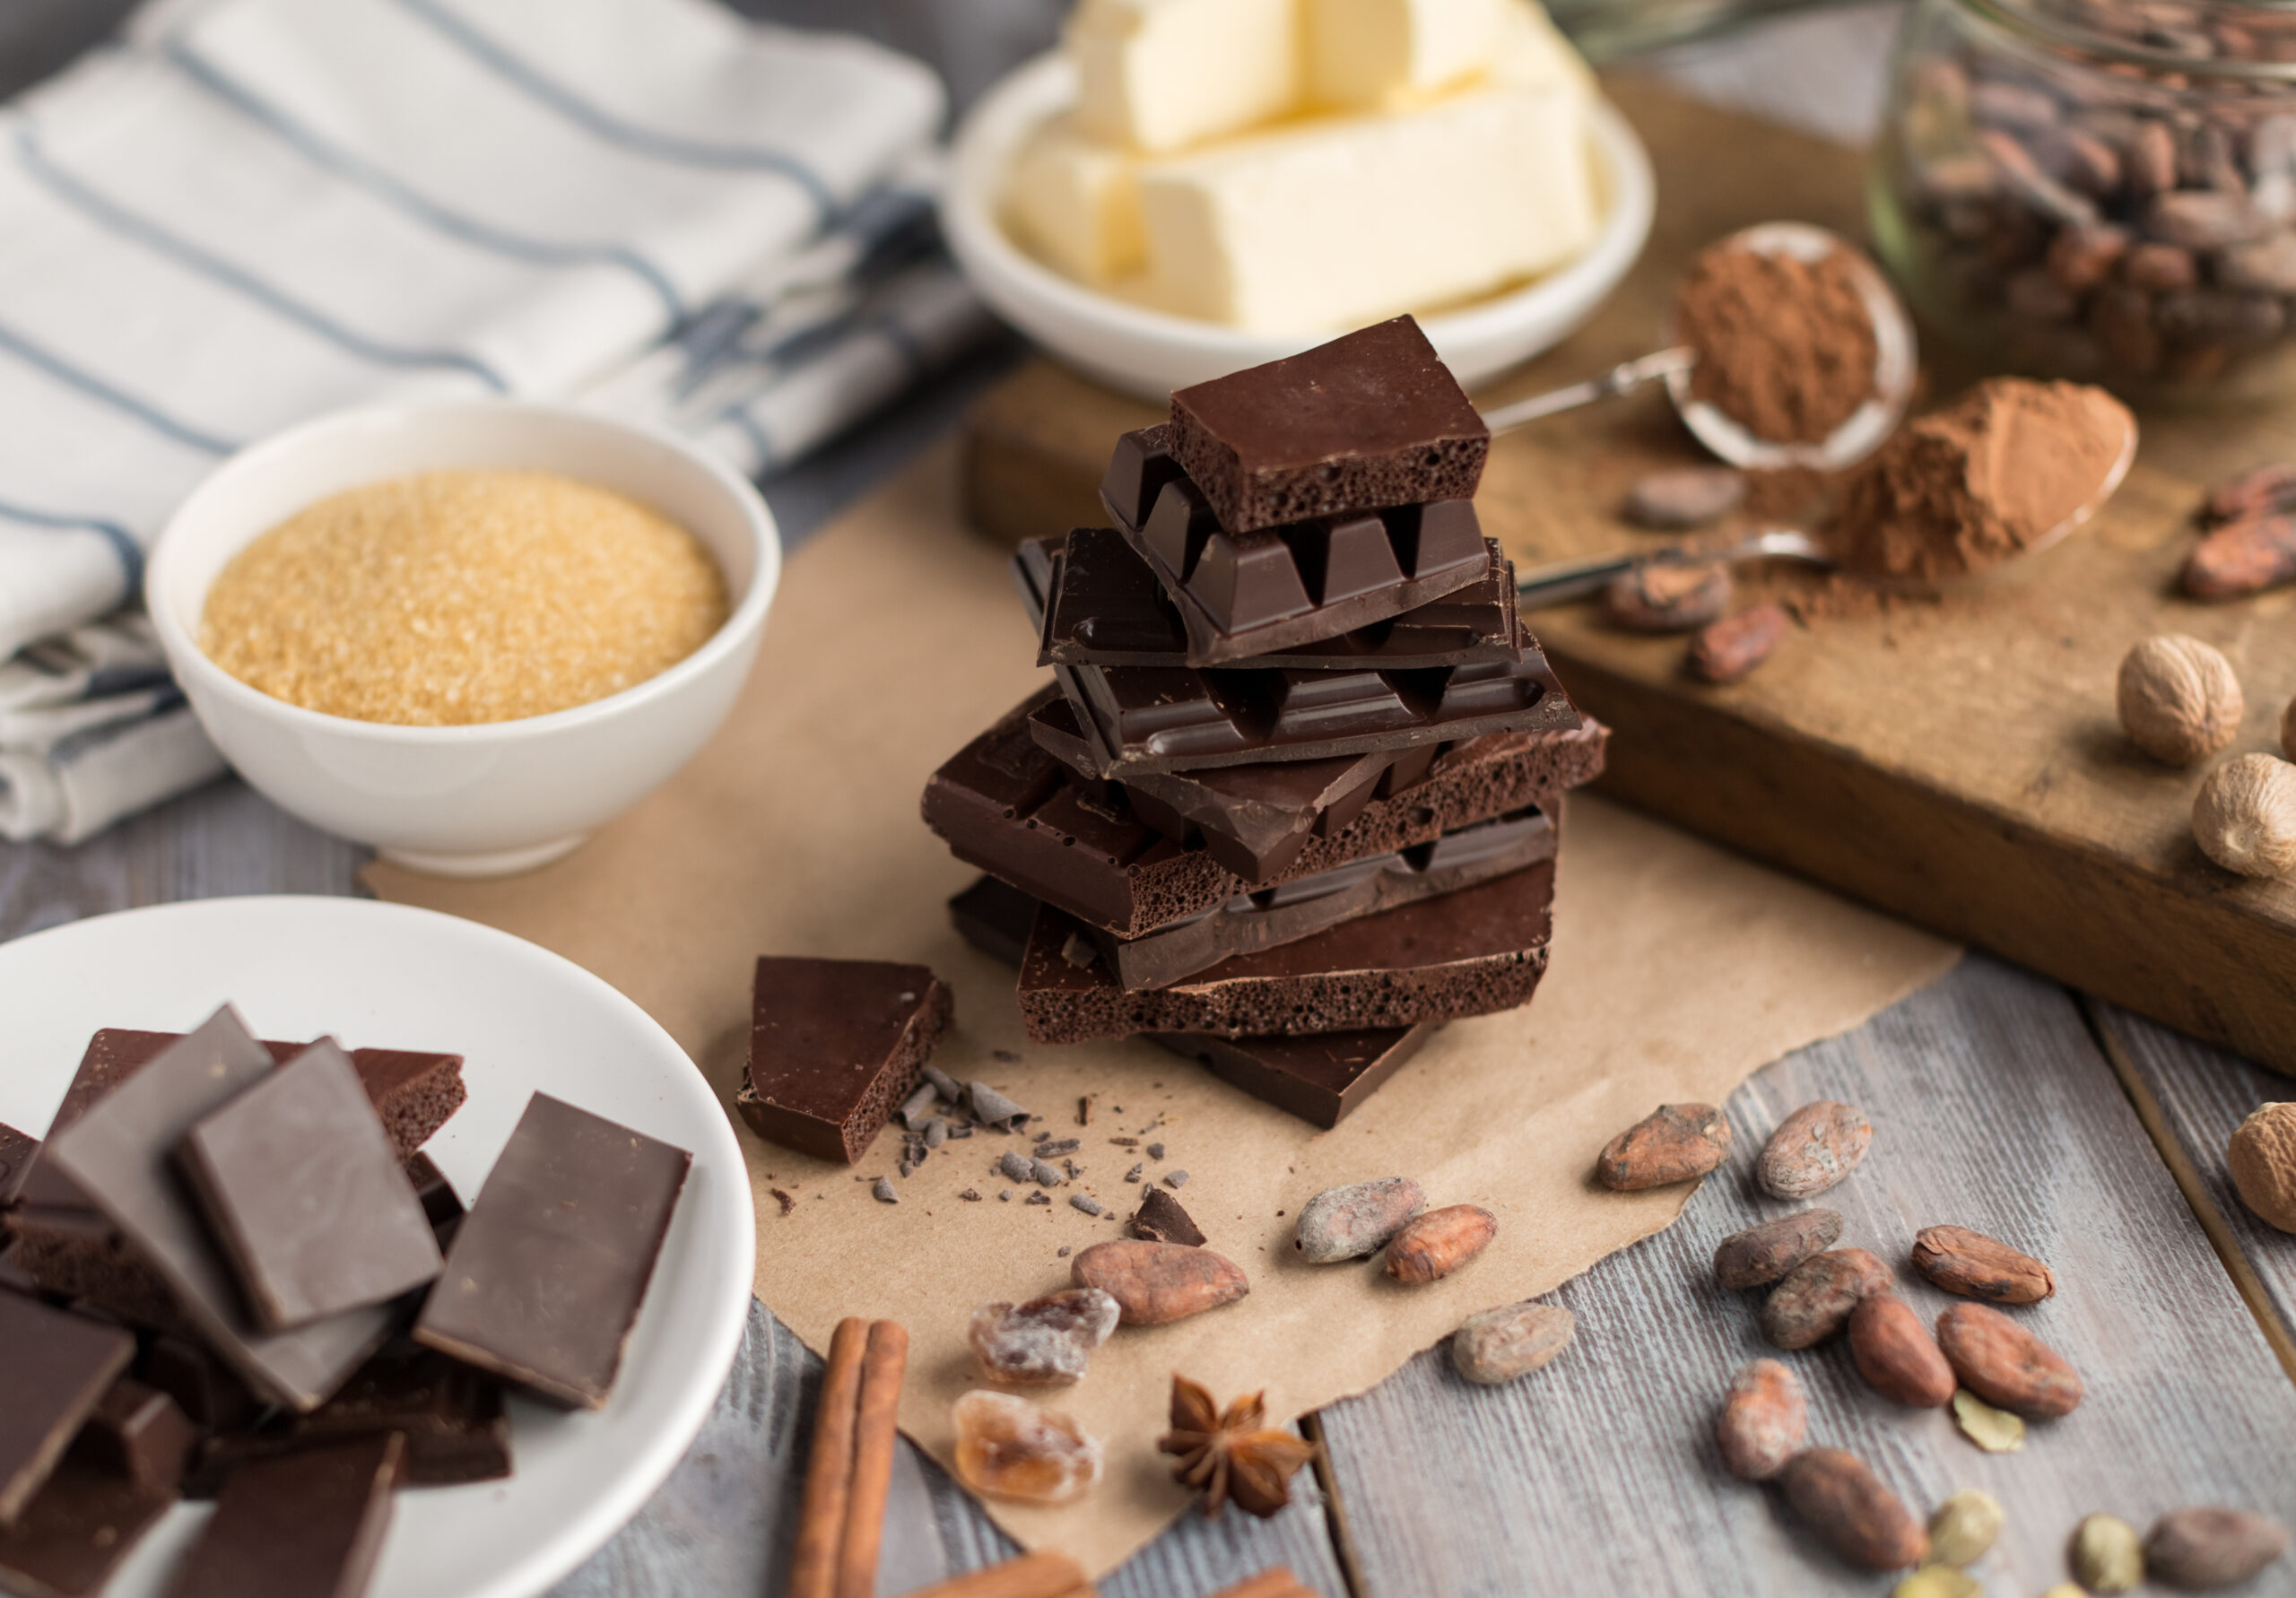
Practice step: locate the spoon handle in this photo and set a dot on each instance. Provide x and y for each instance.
(1622, 378)
(1566, 580)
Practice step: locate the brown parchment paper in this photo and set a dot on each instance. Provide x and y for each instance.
(1677, 970)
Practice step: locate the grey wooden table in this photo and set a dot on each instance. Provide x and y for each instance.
(2003, 1102)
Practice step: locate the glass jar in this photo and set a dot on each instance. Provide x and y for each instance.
(2098, 189)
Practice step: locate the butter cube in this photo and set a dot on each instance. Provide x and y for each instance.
(1377, 52)
(1075, 202)
(1160, 75)
(1333, 223)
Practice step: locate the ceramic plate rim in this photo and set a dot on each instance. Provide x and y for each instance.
(718, 1209)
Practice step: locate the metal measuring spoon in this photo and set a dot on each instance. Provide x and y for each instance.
(1853, 440)
(1566, 580)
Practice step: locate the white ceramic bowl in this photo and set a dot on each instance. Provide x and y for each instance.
(1150, 354)
(500, 797)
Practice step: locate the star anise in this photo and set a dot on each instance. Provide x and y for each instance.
(1232, 1457)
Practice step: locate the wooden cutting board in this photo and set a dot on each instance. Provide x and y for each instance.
(1957, 761)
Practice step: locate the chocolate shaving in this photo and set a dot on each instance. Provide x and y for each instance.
(992, 1108)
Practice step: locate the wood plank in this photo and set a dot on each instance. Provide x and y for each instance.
(1955, 762)
(2191, 1098)
(1993, 1108)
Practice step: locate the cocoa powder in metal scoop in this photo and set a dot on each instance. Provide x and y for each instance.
(1785, 347)
(1986, 478)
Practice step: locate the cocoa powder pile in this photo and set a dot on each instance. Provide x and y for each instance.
(1785, 347)
(1967, 487)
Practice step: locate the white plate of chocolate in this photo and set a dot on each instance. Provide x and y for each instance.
(364, 1250)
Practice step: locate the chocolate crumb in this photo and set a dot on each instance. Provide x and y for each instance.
(1036, 1198)
(1126, 1142)
(970, 1195)
(1156, 1151)
(1053, 1150)
(1090, 1205)
(1160, 1219)
(1045, 1174)
(783, 1199)
(1016, 1165)
(959, 1130)
(1006, 1055)
(1084, 1110)
(1175, 1179)
(1004, 1195)
(884, 1192)
(945, 1084)
(1079, 952)
(1063, 1252)
(937, 1133)
(1133, 1175)
(1073, 1168)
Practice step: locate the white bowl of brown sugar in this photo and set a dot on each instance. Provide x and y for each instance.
(466, 634)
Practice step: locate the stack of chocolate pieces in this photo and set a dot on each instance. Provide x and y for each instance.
(217, 1284)
(1294, 797)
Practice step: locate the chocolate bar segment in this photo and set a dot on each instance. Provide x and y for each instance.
(306, 1196)
(75, 1533)
(1241, 595)
(1271, 916)
(55, 1367)
(1322, 1079)
(121, 1153)
(312, 1523)
(835, 1045)
(140, 1433)
(1370, 420)
(547, 1271)
(1005, 804)
(1469, 953)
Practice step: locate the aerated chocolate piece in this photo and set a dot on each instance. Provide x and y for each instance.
(1469, 953)
(1005, 804)
(55, 1367)
(1136, 719)
(450, 1415)
(1370, 420)
(121, 1153)
(305, 1195)
(310, 1523)
(548, 1270)
(835, 1047)
(75, 1533)
(140, 1433)
(1096, 602)
(16, 1152)
(1271, 916)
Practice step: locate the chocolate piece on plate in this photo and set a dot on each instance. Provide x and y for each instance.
(77, 1253)
(994, 916)
(1269, 918)
(311, 1522)
(304, 1193)
(442, 1206)
(451, 1416)
(1137, 720)
(16, 1152)
(1469, 953)
(55, 1366)
(1005, 804)
(140, 1433)
(75, 1533)
(1321, 1078)
(835, 1047)
(548, 1270)
(121, 1153)
(1368, 419)
(205, 1388)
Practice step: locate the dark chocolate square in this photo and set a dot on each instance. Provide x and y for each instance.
(836, 1044)
(76, 1532)
(311, 1522)
(54, 1369)
(140, 1433)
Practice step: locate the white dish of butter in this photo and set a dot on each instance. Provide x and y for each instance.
(1156, 225)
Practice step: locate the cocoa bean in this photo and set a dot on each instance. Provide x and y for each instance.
(2157, 267)
(2151, 160)
(1438, 1243)
(1675, 1142)
(1816, 1299)
(2016, 106)
(1762, 1422)
(2005, 1365)
(1685, 496)
(1667, 598)
(2241, 559)
(1815, 1147)
(1838, 1496)
(2258, 491)
(1976, 1266)
(2034, 294)
(2080, 258)
(2020, 175)
(2219, 316)
(2203, 1547)
(1355, 1221)
(1896, 1355)
(1762, 1253)
(1728, 649)
(2267, 265)
(1513, 1341)
(1156, 1282)
(2122, 319)
(2203, 219)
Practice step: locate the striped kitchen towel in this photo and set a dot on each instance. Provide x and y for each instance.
(251, 211)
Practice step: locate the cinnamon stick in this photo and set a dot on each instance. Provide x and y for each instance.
(829, 1472)
(1276, 1582)
(882, 1366)
(1043, 1574)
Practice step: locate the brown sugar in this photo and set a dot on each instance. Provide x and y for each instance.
(451, 598)
(1785, 347)
(1986, 478)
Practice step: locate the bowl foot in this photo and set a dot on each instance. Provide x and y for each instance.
(486, 863)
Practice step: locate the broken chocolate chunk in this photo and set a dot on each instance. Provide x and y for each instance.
(310, 1523)
(55, 1367)
(834, 1045)
(1160, 1219)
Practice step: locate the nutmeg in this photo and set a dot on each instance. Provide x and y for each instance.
(2178, 700)
(2244, 817)
(2263, 1158)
